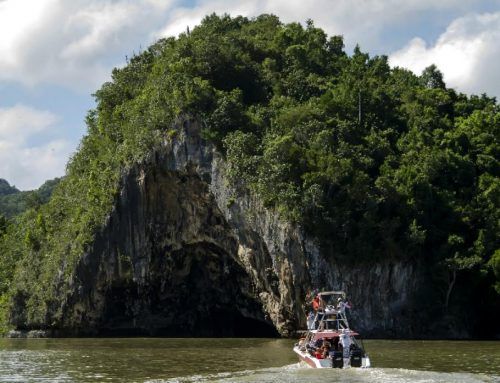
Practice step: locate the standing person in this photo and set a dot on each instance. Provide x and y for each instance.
(318, 314)
(316, 303)
(310, 314)
(310, 320)
(308, 301)
(341, 306)
(345, 341)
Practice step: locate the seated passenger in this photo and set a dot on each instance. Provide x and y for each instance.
(318, 343)
(326, 350)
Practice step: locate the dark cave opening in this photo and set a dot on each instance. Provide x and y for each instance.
(196, 291)
(168, 266)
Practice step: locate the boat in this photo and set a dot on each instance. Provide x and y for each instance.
(322, 345)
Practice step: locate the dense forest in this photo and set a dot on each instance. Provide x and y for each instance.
(14, 202)
(375, 162)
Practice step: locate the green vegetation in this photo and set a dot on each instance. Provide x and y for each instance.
(375, 162)
(14, 202)
(6, 189)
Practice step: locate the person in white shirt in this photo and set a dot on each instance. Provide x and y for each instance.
(342, 305)
(345, 341)
(310, 321)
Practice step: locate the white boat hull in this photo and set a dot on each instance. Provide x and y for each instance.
(324, 363)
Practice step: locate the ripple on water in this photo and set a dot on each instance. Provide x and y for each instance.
(32, 366)
(158, 360)
(296, 373)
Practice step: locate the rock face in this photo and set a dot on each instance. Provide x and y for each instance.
(184, 253)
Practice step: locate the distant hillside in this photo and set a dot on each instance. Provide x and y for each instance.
(6, 189)
(14, 202)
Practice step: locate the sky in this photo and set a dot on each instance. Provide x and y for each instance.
(55, 53)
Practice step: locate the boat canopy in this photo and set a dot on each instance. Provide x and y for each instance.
(338, 292)
(329, 334)
(329, 298)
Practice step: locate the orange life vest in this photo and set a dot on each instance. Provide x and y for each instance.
(315, 304)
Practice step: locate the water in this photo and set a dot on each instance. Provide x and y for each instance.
(237, 360)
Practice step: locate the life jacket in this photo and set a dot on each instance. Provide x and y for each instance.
(315, 304)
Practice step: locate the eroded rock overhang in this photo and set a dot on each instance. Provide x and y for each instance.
(171, 261)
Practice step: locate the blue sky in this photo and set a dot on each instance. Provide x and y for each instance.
(55, 53)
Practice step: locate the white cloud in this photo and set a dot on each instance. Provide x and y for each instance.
(20, 122)
(359, 21)
(467, 53)
(23, 162)
(76, 43)
(72, 43)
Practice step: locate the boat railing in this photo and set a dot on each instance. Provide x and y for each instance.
(325, 319)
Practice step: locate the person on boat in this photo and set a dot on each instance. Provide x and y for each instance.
(316, 303)
(326, 349)
(311, 306)
(326, 343)
(316, 348)
(319, 343)
(342, 305)
(316, 306)
(310, 320)
(345, 341)
(308, 301)
(318, 354)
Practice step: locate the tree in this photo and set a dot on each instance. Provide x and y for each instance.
(3, 225)
(432, 78)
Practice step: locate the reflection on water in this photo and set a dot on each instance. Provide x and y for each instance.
(237, 360)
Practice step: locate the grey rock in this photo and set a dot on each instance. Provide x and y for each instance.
(184, 252)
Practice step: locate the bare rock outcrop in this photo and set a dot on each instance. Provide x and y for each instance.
(185, 253)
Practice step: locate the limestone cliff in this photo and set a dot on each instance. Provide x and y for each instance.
(185, 253)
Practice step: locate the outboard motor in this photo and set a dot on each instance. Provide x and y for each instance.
(337, 359)
(356, 357)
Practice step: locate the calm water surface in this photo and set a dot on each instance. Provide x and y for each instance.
(237, 360)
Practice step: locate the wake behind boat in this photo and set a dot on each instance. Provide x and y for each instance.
(329, 341)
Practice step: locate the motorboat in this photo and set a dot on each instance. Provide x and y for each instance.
(329, 342)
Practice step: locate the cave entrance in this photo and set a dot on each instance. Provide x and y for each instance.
(179, 273)
(196, 291)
